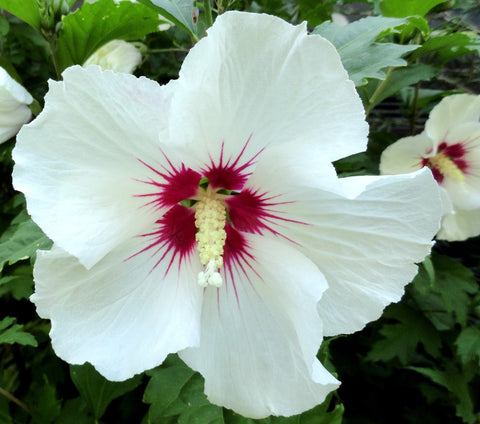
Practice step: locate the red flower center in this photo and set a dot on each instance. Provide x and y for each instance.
(210, 209)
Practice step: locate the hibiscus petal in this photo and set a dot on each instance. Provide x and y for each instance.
(452, 110)
(366, 247)
(77, 163)
(259, 342)
(460, 225)
(405, 155)
(364, 233)
(291, 86)
(123, 315)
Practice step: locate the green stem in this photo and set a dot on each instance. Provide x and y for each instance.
(52, 45)
(208, 13)
(413, 118)
(12, 398)
(173, 49)
(378, 91)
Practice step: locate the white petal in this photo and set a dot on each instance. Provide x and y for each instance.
(14, 111)
(77, 163)
(405, 155)
(460, 225)
(122, 315)
(12, 90)
(259, 343)
(452, 110)
(256, 75)
(365, 237)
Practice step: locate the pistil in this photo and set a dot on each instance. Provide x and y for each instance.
(210, 217)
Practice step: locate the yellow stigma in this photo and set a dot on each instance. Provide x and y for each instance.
(210, 217)
(447, 167)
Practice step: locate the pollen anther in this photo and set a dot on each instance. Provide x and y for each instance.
(447, 167)
(210, 217)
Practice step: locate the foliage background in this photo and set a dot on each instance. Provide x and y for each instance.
(419, 363)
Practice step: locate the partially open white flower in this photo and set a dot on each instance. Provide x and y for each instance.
(116, 55)
(450, 147)
(14, 110)
(204, 217)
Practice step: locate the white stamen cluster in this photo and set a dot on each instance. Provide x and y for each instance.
(447, 167)
(210, 216)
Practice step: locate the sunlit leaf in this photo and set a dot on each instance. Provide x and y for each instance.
(27, 10)
(94, 25)
(403, 8)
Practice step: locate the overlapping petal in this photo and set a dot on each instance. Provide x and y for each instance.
(258, 77)
(364, 234)
(265, 332)
(84, 149)
(406, 154)
(124, 315)
(452, 111)
(460, 225)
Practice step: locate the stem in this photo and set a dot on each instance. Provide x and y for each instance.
(12, 398)
(173, 49)
(413, 118)
(378, 91)
(52, 45)
(208, 13)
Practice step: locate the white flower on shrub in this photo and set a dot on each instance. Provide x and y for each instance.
(450, 147)
(205, 217)
(116, 55)
(14, 109)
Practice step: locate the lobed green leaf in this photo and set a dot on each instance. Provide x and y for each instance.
(361, 55)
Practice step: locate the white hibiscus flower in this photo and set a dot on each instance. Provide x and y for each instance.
(204, 217)
(14, 110)
(450, 147)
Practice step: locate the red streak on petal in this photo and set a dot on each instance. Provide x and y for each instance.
(176, 185)
(253, 212)
(462, 164)
(229, 175)
(437, 175)
(236, 257)
(174, 236)
(453, 151)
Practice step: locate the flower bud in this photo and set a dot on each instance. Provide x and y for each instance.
(14, 110)
(117, 55)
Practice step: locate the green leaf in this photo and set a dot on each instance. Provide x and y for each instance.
(363, 57)
(27, 10)
(404, 8)
(180, 12)
(374, 93)
(401, 339)
(11, 333)
(18, 282)
(21, 241)
(94, 25)
(44, 404)
(468, 344)
(447, 300)
(176, 390)
(96, 390)
(448, 45)
(456, 382)
(454, 283)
